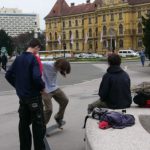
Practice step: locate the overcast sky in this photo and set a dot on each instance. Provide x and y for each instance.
(41, 7)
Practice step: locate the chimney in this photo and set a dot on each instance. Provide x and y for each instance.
(72, 4)
(88, 1)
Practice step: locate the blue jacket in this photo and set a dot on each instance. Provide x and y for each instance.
(115, 88)
(24, 75)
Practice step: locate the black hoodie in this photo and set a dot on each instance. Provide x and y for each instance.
(115, 88)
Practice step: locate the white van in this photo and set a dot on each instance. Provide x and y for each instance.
(128, 53)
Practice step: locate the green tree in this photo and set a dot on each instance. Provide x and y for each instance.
(6, 41)
(146, 34)
(21, 41)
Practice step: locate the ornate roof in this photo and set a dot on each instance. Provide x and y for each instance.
(61, 8)
(134, 2)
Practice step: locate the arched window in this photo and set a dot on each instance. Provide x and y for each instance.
(140, 43)
(55, 35)
(70, 34)
(83, 34)
(104, 30)
(96, 45)
(90, 20)
(70, 46)
(120, 43)
(120, 29)
(139, 28)
(64, 35)
(77, 34)
(77, 46)
(50, 36)
(112, 17)
(69, 23)
(104, 44)
(90, 32)
(90, 45)
(96, 32)
(63, 23)
(76, 22)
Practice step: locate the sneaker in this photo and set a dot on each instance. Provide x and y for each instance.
(60, 122)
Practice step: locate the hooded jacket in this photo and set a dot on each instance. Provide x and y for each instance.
(115, 88)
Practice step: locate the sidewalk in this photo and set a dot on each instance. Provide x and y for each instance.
(71, 138)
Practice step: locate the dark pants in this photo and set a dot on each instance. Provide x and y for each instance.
(4, 66)
(31, 112)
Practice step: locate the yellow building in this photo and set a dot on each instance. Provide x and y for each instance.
(101, 26)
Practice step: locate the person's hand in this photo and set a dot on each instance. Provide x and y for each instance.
(43, 92)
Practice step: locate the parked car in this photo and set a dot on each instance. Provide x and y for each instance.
(128, 53)
(95, 55)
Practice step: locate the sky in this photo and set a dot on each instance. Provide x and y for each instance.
(41, 7)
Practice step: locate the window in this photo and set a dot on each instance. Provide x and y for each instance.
(77, 34)
(63, 24)
(70, 34)
(139, 28)
(139, 14)
(77, 46)
(120, 43)
(83, 34)
(104, 30)
(120, 16)
(104, 18)
(82, 21)
(140, 43)
(50, 36)
(69, 23)
(90, 32)
(90, 20)
(96, 44)
(120, 29)
(55, 36)
(96, 32)
(104, 44)
(96, 19)
(64, 35)
(90, 45)
(112, 17)
(76, 22)
(70, 45)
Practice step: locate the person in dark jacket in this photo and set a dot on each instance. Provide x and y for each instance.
(0, 62)
(114, 90)
(4, 61)
(25, 76)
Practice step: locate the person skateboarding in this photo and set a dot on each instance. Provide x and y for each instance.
(50, 72)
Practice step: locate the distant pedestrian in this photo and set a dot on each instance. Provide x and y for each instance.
(4, 61)
(50, 72)
(0, 62)
(25, 76)
(142, 57)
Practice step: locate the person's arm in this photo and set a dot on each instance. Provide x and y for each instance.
(36, 75)
(104, 88)
(10, 74)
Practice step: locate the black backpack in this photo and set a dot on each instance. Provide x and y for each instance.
(141, 99)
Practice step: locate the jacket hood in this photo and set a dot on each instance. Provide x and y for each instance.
(114, 69)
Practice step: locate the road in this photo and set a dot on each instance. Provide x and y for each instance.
(81, 87)
(80, 72)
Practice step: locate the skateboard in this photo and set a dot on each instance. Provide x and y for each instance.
(54, 127)
(47, 146)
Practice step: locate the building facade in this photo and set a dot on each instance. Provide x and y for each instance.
(101, 26)
(14, 22)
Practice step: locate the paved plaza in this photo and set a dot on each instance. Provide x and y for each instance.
(81, 88)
